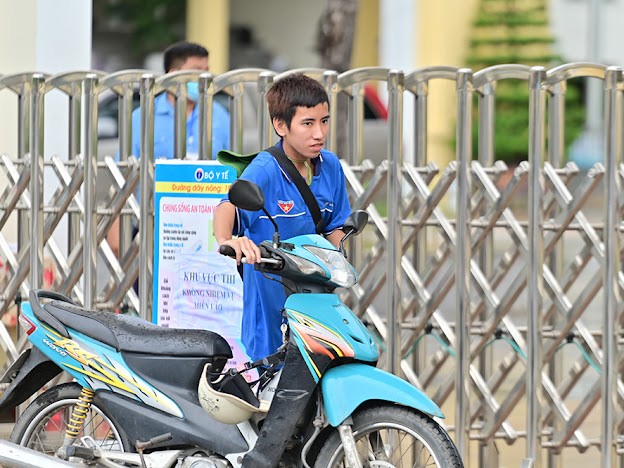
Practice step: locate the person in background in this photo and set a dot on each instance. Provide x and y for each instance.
(179, 56)
(183, 56)
(299, 110)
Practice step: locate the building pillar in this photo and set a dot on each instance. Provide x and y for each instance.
(208, 24)
(397, 50)
(365, 44)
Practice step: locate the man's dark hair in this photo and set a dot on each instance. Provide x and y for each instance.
(176, 54)
(292, 91)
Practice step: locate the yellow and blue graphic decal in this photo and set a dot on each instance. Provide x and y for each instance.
(97, 366)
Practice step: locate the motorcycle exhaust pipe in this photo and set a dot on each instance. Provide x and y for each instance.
(16, 456)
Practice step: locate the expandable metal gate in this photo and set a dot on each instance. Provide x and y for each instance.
(491, 270)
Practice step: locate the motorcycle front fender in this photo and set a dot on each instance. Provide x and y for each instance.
(30, 371)
(347, 387)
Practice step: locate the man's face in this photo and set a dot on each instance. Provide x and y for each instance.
(192, 63)
(306, 136)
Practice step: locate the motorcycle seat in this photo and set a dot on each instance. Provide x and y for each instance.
(133, 334)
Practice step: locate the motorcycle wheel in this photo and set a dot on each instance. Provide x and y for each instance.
(42, 425)
(393, 436)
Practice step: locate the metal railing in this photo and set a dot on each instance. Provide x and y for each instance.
(473, 278)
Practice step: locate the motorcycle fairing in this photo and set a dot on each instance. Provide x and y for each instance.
(347, 387)
(177, 377)
(196, 428)
(328, 330)
(95, 365)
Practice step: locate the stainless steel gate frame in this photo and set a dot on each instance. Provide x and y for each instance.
(494, 289)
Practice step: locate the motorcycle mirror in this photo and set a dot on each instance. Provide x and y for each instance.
(355, 222)
(353, 225)
(246, 195)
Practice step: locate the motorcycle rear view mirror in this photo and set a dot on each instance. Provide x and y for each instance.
(353, 225)
(355, 222)
(247, 196)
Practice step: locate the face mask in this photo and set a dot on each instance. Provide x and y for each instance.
(192, 91)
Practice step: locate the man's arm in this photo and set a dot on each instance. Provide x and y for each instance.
(113, 237)
(223, 225)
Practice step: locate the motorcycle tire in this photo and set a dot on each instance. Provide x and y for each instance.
(42, 425)
(382, 434)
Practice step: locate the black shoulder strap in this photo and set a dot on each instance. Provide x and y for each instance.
(300, 183)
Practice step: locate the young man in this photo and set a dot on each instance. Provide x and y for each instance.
(299, 110)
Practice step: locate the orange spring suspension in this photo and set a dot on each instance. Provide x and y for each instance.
(79, 414)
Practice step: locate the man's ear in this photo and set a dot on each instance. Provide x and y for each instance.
(280, 126)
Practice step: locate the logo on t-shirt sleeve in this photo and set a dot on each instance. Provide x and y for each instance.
(285, 206)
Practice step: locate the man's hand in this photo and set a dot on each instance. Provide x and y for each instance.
(244, 247)
(335, 237)
(222, 227)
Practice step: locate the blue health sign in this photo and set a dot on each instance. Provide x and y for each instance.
(194, 286)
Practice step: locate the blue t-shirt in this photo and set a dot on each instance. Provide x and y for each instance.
(263, 299)
(164, 118)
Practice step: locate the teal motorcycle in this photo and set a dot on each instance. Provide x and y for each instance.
(148, 396)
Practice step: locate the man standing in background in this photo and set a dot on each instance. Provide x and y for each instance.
(182, 56)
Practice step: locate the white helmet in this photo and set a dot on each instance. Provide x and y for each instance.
(228, 399)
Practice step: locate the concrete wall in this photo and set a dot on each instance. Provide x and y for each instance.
(569, 24)
(285, 27)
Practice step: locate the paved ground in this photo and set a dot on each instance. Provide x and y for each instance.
(511, 456)
(5, 430)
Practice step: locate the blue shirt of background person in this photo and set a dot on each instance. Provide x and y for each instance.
(164, 125)
(299, 109)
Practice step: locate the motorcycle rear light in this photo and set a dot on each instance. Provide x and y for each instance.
(26, 324)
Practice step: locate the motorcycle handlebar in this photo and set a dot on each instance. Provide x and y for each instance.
(227, 251)
(230, 252)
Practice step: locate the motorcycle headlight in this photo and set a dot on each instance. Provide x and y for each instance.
(306, 266)
(342, 273)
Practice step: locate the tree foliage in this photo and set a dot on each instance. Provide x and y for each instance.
(153, 24)
(517, 31)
